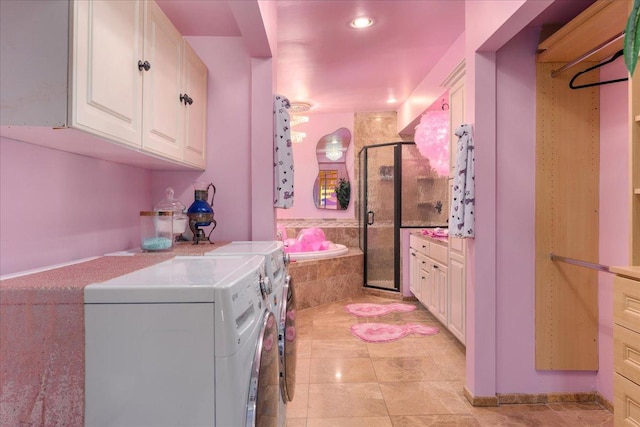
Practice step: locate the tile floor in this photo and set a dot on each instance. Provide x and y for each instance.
(415, 381)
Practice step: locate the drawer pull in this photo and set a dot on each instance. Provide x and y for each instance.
(144, 65)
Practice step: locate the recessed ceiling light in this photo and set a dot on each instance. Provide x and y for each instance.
(362, 22)
(300, 107)
(391, 100)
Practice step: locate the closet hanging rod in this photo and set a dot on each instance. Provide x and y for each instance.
(587, 54)
(580, 263)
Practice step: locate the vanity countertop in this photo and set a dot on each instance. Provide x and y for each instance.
(434, 239)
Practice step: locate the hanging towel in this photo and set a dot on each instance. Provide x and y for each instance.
(282, 154)
(461, 220)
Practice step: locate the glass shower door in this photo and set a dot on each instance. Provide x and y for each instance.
(378, 215)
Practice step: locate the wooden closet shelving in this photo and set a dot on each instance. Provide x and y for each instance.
(567, 186)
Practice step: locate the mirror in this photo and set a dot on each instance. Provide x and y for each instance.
(332, 189)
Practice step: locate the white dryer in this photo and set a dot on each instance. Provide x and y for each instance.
(282, 303)
(187, 342)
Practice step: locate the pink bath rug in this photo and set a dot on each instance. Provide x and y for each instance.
(382, 332)
(370, 310)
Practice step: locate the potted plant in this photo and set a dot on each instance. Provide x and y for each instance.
(343, 193)
(632, 38)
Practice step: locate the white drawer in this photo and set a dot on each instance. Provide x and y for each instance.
(438, 252)
(419, 244)
(626, 303)
(626, 402)
(626, 353)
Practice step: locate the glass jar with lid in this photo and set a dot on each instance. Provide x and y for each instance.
(170, 204)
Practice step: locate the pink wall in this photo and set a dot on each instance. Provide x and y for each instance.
(228, 164)
(306, 167)
(614, 207)
(57, 207)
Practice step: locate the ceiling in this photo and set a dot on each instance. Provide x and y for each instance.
(323, 61)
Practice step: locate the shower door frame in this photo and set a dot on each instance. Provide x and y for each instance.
(397, 209)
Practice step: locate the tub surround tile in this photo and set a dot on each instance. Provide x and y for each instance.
(325, 281)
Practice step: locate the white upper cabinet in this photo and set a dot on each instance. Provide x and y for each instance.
(121, 82)
(163, 115)
(106, 83)
(194, 98)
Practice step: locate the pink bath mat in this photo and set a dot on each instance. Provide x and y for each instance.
(370, 310)
(383, 332)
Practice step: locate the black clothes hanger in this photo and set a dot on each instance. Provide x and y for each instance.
(608, 61)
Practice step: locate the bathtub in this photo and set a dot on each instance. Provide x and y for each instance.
(329, 253)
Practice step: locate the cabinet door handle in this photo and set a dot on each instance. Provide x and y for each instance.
(144, 65)
(435, 266)
(186, 99)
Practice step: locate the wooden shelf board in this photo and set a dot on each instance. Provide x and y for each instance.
(600, 22)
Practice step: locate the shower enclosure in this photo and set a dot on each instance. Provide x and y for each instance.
(397, 189)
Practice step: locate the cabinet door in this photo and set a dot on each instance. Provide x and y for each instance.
(426, 285)
(414, 274)
(194, 85)
(163, 113)
(457, 298)
(439, 273)
(105, 81)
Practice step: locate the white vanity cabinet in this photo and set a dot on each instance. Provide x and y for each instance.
(437, 280)
(118, 71)
(457, 289)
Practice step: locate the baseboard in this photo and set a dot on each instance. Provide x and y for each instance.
(480, 400)
(538, 398)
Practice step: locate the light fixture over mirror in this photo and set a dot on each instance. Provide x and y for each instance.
(332, 188)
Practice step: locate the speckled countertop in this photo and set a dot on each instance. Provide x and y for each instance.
(67, 283)
(438, 240)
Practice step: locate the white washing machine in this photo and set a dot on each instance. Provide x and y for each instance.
(187, 342)
(281, 303)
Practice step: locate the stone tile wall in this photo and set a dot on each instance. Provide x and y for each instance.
(340, 232)
(327, 280)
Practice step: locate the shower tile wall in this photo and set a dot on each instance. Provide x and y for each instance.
(425, 195)
(425, 200)
(371, 129)
(344, 232)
